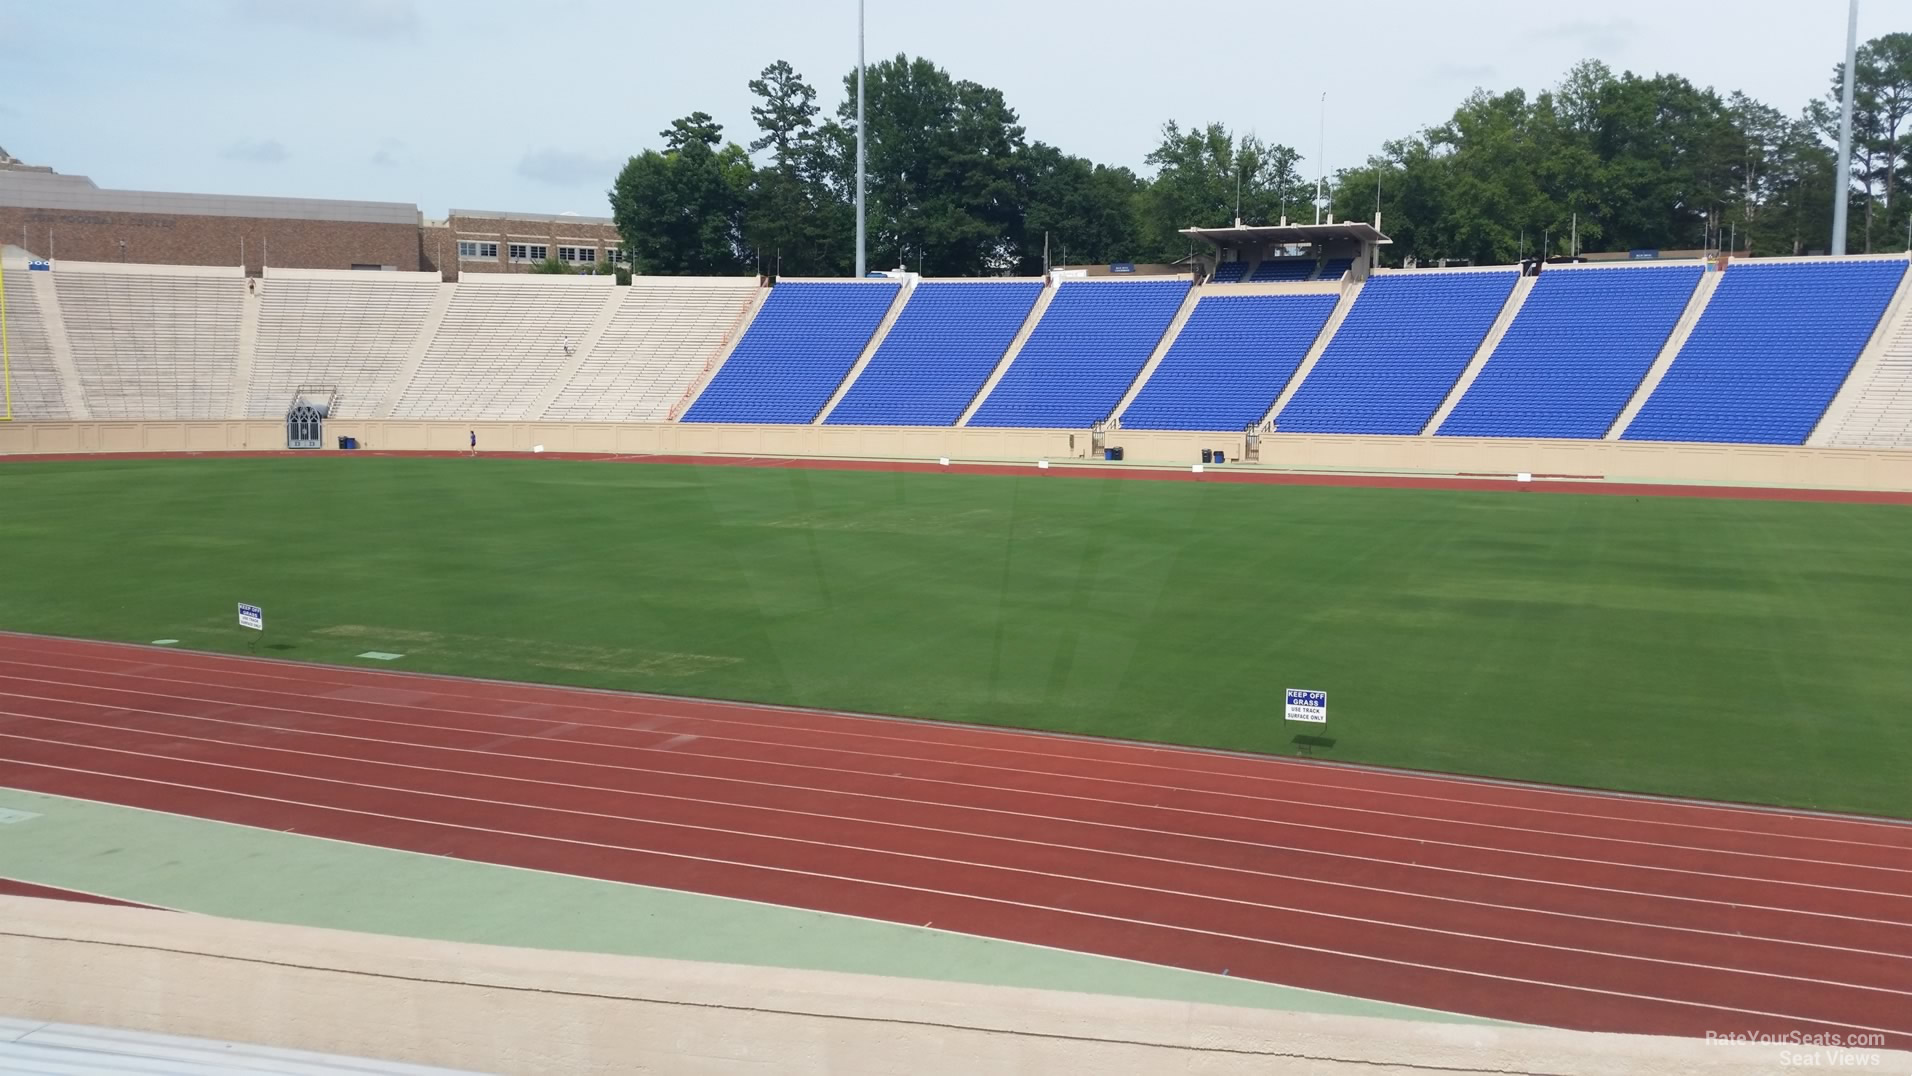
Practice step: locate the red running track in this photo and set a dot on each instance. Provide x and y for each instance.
(1546, 906)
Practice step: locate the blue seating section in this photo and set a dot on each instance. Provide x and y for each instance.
(1083, 355)
(1277, 270)
(1398, 353)
(795, 353)
(1229, 363)
(1228, 273)
(1335, 268)
(1770, 352)
(937, 355)
(1575, 354)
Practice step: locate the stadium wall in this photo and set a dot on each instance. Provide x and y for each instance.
(497, 1009)
(1698, 464)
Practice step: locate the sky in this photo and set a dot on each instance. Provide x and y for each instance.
(532, 106)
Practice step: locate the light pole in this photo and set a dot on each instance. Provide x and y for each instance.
(860, 266)
(1841, 187)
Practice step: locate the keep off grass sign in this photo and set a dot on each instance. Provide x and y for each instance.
(1308, 706)
(250, 616)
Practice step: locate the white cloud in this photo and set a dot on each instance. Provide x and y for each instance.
(256, 150)
(1601, 39)
(567, 168)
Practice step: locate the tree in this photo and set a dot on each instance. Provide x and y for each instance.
(792, 221)
(681, 211)
(1203, 174)
(1087, 211)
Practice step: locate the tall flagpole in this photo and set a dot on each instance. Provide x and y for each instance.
(860, 267)
(1842, 185)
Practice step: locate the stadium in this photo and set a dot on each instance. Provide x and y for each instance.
(1270, 660)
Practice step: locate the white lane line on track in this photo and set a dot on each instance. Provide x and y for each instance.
(569, 786)
(1176, 753)
(1046, 774)
(1127, 920)
(944, 861)
(1337, 830)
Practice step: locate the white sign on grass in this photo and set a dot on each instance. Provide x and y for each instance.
(1309, 706)
(250, 616)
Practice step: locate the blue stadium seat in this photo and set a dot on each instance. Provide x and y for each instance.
(1335, 268)
(1771, 350)
(1575, 354)
(1228, 273)
(1398, 353)
(795, 353)
(1083, 355)
(1277, 270)
(1229, 362)
(937, 355)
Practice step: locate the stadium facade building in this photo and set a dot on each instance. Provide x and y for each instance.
(70, 217)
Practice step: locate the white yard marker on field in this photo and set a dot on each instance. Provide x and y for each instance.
(380, 655)
(1043, 464)
(164, 642)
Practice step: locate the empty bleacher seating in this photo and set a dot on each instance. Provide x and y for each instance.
(795, 353)
(1082, 356)
(1575, 353)
(1398, 353)
(1228, 273)
(1769, 353)
(937, 355)
(1881, 417)
(1229, 363)
(663, 335)
(36, 383)
(1278, 270)
(1335, 268)
(502, 341)
(153, 343)
(347, 330)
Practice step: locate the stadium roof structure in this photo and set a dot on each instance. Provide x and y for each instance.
(1248, 235)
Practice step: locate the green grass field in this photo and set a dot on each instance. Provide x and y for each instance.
(1733, 649)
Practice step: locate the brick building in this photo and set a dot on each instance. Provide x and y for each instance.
(482, 241)
(59, 216)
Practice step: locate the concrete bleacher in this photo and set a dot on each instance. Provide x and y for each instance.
(1881, 415)
(1278, 270)
(937, 355)
(1404, 344)
(1230, 361)
(1575, 353)
(502, 341)
(35, 385)
(349, 330)
(1767, 356)
(665, 332)
(152, 341)
(796, 352)
(1082, 356)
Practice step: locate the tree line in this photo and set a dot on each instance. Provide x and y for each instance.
(1603, 161)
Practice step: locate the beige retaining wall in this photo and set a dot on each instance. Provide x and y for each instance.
(1615, 460)
(507, 1010)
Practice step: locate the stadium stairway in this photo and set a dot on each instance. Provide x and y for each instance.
(1349, 293)
(1522, 288)
(719, 355)
(1682, 329)
(1167, 341)
(1874, 407)
(45, 384)
(415, 355)
(579, 353)
(1015, 348)
(882, 333)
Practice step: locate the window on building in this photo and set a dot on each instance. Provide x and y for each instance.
(568, 254)
(614, 255)
(587, 254)
(472, 248)
(527, 252)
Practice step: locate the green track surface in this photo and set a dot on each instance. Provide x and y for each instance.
(1743, 650)
(245, 873)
